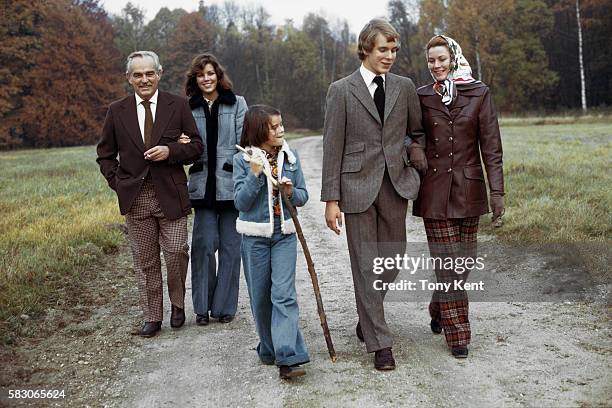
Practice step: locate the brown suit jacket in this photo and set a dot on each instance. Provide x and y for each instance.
(454, 186)
(121, 136)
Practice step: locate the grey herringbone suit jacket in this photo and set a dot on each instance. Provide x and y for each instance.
(357, 148)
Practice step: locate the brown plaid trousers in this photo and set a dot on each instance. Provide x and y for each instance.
(452, 237)
(148, 229)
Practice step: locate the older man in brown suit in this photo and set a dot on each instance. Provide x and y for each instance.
(367, 173)
(143, 130)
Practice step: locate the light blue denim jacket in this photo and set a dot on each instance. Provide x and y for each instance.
(253, 195)
(230, 119)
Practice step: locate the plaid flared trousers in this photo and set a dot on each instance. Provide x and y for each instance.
(453, 237)
(148, 229)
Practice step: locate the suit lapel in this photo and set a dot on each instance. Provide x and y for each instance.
(129, 119)
(391, 93)
(164, 112)
(360, 90)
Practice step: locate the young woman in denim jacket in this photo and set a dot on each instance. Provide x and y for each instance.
(269, 245)
(218, 114)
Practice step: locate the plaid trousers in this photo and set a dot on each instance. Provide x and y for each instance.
(453, 237)
(148, 228)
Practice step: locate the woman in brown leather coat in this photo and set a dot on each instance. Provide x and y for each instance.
(461, 125)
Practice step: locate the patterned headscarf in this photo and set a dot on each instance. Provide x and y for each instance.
(460, 72)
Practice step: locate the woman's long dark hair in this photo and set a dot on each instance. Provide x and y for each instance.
(256, 126)
(197, 66)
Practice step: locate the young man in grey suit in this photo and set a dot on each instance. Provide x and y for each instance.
(367, 174)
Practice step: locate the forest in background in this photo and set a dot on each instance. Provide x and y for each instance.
(63, 61)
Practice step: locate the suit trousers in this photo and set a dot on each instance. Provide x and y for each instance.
(148, 229)
(453, 237)
(380, 231)
(215, 288)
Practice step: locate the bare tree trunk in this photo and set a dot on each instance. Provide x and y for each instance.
(478, 66)
(259, 84)
(322, 39)
(322, 93)
(582, 84)
(332, 74)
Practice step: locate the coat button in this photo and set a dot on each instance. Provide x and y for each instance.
(450, 122)
(436, 140)
(450, 154)
(435, 123)
(450, 139)
(435, 170)
(436, 155)
(449, 170)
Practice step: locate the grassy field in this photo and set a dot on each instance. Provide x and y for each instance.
(558, 183)
(53, 203)
(59, 216)
(571, 118)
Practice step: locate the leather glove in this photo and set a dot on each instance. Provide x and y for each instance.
(417, 157)
(498, 208)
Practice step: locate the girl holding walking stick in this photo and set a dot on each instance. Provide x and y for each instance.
(269, 245)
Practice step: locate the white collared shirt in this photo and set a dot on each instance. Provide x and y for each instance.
(368, 76)
(140, 110)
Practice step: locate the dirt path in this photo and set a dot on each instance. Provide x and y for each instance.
(535, 354)
(522, 354)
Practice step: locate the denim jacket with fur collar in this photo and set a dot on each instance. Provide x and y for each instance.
(253, 195)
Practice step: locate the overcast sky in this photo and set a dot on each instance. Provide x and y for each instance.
(356, 12)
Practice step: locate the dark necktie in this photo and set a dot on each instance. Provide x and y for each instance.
(148, 125)
(379, 98)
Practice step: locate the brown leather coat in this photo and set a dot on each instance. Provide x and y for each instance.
(454, 186)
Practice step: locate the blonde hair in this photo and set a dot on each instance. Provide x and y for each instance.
(368, 34)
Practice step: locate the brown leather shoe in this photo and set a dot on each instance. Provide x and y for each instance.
(150, 329)
(359, 333)
(383, 359)
(288, 372)
(177, 318)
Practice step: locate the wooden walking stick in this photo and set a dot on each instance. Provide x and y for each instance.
(313, 274)
(309, 263)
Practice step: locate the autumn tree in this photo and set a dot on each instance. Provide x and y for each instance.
(73, 78)
(193, 35)
(129, 28)
(159, 31)
(523, 75)
(597, 20)
(481, 32)
(20, 39)
(298, 80)
(411, 57)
